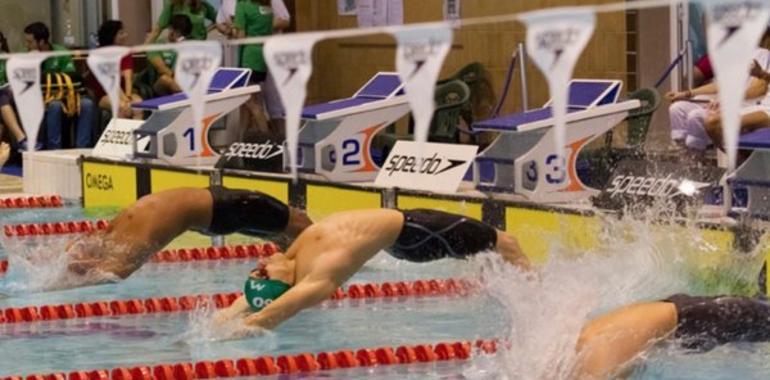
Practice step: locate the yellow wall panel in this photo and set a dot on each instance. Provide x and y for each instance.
(470, 209)
(106, 185)
(166, 179)
(538, 230)
(325, 200)
(277, 189)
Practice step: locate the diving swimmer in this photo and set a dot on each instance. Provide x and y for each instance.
(148, 225)
(609, 344)
(329, 252)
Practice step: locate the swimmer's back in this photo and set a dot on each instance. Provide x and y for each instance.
(358, 230)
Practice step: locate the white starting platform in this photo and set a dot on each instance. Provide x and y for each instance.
(523, 158)
(168, 134)
(336, 137)
(753, 174)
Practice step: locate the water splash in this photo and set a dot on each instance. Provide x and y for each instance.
(636, 262)
(40, 263)
(207, 334)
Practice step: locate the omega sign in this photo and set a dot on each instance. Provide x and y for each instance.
(735, 14)
(26, 75)
(101, 182)
(195, 66)
(109, 70)
(557, 40)
(291, 61)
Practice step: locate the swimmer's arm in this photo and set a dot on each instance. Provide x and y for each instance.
(305, 294)
(239, 307)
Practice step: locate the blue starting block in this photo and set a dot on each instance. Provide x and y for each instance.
(168, 134)
(753, 173)
(523, 157)
(335, 138)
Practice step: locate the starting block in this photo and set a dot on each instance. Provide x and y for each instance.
(336, 137)
(168, 134)
(753, 173)
(523, 157)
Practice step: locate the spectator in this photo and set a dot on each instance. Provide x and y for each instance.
(753, 117)
(8, 117)
(164, 61)
(254, 18)
(690, 108)
(198, 12)
(112, 33)
(281, 22)
(37, 38)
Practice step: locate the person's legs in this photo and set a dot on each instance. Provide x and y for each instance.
(136, 114)
(678, 114)
(610, 342)
(54, 115)
(85, 123)
(697, 137)
(8, 116)
(5, 153)
(274, 107)
(751, 119)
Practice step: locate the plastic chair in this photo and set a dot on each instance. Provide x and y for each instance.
(639, 119)
(451, 97)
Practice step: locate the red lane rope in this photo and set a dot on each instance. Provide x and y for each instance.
(286, 364)
(54, 228)
(49, 201)
(436, 287)
(204, 253)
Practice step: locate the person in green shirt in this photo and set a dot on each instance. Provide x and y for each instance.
(164, 61)
(254, 18)
(37, 38)
(197, 10)
(8, 118)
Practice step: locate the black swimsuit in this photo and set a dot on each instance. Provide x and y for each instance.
(705, 322)
(429, 235)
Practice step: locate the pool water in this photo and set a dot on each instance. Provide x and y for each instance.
(539, 315)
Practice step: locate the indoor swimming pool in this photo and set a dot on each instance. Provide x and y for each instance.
(533, 317)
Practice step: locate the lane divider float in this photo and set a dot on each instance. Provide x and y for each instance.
(180, 255)
(54, 228)
(156, 305)
(301, 363)
(48, 201)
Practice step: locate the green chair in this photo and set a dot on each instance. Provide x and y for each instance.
(451, 97)
(639, 119)
(601, 162)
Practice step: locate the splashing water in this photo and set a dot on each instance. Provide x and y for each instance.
(40, 263)
(636, 262)
(207, 333)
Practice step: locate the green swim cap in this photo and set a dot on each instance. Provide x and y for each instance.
(261, 292)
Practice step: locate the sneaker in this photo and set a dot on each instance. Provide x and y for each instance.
(24, 148)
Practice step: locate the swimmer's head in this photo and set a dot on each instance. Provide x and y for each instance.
(268, 281)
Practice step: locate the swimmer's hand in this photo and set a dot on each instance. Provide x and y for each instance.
(235, 330)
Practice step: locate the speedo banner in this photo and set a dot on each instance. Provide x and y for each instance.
(196, 64)
(640, 186)
(105, 65)
(257, 152)
(419, 57)
(734, 30)
(24, 78)
(555, 40)
(290, 59)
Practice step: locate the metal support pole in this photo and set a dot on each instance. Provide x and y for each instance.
(215, 179)
(521, 52)
(689, 65)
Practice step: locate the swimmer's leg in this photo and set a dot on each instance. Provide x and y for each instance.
(508, 247)
(612, 341)
(253, 213)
